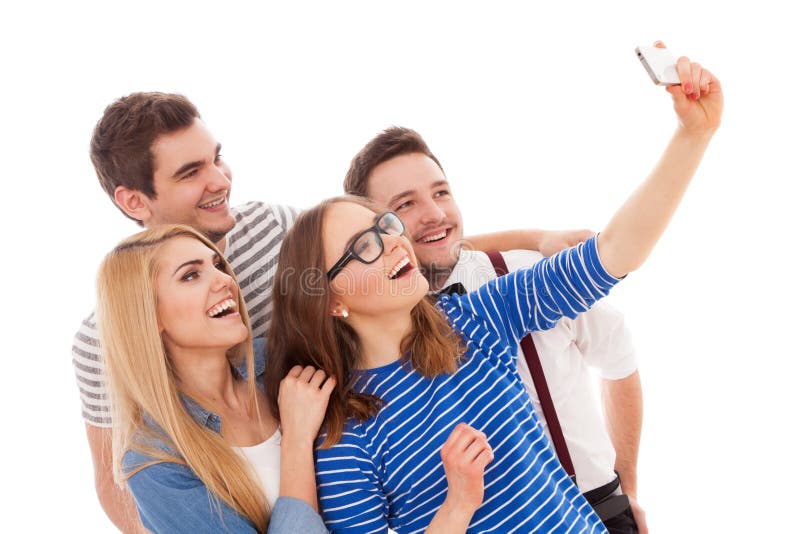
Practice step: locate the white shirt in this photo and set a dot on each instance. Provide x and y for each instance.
(596, 339)
(265, 459)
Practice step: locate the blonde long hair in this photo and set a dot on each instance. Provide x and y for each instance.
(143, 383)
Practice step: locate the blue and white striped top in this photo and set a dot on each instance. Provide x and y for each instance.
(387, 471)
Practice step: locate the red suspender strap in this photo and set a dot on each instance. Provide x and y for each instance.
(540, 383)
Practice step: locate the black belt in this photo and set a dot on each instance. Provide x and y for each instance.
(605, 502)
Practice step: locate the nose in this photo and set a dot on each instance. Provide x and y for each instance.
(431, 213)
(219, 178)
(391, 243)
(223, 281)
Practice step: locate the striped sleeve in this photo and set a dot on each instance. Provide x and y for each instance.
(252, 251)
(286, 216)
(90, 374)
(350, 494)
(563, 285)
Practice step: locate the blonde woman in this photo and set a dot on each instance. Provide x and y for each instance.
(194, 438)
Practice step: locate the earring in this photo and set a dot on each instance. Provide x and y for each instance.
(345, 313)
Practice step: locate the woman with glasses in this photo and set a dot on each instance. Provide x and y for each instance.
(194, 438)
(429, 427)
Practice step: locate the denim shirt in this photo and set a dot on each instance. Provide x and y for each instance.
(171, 498)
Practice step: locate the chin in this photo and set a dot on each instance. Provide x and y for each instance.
(220, 231)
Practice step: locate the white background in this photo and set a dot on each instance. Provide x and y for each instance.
(542, 117)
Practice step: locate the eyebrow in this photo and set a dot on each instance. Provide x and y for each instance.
(357, 234)
(184, 264)
(194, 164)
(434, 185)
(214, 259)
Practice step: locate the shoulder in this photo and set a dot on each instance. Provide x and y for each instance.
(86, 347)
(353, 443)
(259, 229)
(87, 332)
(258, 226)
(260, 357)
(248, 208)
(474, 268)
(256, 210)
(259, 347)
(521, 259)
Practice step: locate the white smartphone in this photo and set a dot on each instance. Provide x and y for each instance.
(659, 64)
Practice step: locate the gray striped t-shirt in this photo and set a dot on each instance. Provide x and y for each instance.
(252, 250)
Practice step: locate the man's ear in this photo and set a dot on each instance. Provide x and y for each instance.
(133, 203)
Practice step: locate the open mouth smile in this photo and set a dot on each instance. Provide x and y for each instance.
(222, 309)
(400, 269)
(213, 204)
(434, 237)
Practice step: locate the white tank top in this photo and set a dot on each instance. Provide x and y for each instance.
(265, 459)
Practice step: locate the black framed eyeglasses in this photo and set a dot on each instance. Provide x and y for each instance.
(367, 246)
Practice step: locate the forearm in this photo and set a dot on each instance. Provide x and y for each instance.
(622, 403)
(119, 506)
(636, 227)
(506, 240)
(117, 503)
(449, 519)
(297, 471)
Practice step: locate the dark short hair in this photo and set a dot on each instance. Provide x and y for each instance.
(390, 143)
(123, 138)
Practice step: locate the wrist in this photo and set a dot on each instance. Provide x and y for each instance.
(702, 135)
(627, 483)
(296, 442)
(457, 507)
(456, 511)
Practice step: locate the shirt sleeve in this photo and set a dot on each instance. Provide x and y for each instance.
(291, 515)
(286, 216)
(90, 374)
(350, 491)
(563, 285)
(605, 342)
(171, 499)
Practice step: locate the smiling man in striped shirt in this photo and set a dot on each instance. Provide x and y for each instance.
(159, 163)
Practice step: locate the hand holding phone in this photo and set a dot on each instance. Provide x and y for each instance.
(696, 92)
(659, 64)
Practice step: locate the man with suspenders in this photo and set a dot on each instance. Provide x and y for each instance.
(397, 170)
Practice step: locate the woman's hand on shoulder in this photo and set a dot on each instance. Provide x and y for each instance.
(302, 400)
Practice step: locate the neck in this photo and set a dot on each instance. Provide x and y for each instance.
(207, 375)
(381, 337)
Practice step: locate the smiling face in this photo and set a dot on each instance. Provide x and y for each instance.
(413, 186)
(197, 300)
(390, 283)
(192, 183)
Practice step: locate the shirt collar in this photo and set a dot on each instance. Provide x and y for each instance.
(208, 418)
(455, 275)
